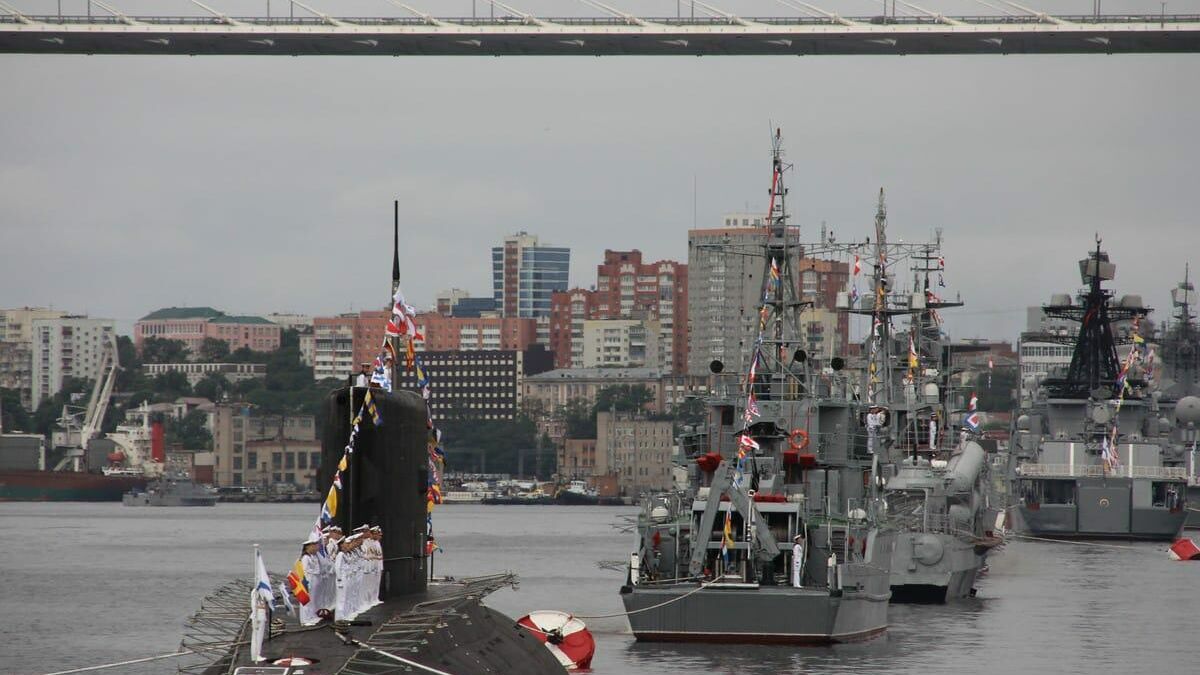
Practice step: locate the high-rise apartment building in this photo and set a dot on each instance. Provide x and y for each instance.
(333, 346)
(524, 275)
(16, 347)
(340, 343)
(70, 346)
(825, 330)
(626, 288)
(725, 285)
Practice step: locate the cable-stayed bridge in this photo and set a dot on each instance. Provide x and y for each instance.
(103, 27)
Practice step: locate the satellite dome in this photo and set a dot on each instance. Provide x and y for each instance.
(1023, 423)
(1187, 410)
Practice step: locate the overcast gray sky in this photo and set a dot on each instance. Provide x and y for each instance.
(266, 184)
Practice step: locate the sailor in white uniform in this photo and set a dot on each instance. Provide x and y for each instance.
(260, 623)
(329, 597)
(344, 609)
(312, 572)
(798, 561)
(377, 550)
(361, 566)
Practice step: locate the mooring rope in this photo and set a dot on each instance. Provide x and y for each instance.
(1097, 544)
(702, 586)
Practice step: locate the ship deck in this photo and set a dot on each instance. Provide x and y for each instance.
(446, 628)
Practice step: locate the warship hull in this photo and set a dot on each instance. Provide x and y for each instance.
(761, 614)
(933, 569)
(1104, 508)
(150, 499)
(65, 486)
(1192, 522)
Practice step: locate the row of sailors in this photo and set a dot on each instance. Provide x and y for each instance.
(344, 573)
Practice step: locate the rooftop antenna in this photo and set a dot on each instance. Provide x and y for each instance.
(395, 246)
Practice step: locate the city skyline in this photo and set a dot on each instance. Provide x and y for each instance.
(263, 185)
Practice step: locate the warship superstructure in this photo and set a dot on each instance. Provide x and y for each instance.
(776, 537)
(1094, 455)
(1179, 347)
(935, 473)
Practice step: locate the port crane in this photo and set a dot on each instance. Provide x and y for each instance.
(77, 434)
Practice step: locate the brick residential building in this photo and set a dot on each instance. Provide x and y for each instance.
(626, 288)
(445, 333)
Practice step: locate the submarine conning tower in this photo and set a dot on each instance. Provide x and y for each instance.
(386, 479)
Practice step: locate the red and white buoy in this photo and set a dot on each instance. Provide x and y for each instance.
(1185, 549)
(565, 636)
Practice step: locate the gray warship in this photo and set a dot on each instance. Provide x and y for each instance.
(936, 486)
(1094, 456)
(942, 516)
(171, 490)
(776, 537)
(1179, 346)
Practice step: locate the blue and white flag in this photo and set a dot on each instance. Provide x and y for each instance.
(262, 581)
(287, 601)
(971, 421)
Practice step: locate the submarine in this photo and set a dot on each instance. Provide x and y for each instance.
(423, 624)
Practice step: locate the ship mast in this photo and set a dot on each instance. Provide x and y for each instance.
(1094, 364)
(780, 307)
(879, 371)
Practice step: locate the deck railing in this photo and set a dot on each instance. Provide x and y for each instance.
(1099, 471)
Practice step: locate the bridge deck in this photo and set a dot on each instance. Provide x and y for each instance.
(597, 36)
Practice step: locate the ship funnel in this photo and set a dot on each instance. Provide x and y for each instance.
(158, 445)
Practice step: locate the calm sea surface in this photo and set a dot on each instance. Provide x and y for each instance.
(85, 584)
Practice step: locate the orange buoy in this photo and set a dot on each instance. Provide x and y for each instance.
(798, 439)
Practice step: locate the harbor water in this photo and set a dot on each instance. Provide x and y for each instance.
(85, 584)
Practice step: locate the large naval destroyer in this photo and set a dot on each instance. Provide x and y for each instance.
(423, 624)
(776, 537)
(1095, 456)
(1179, 347)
